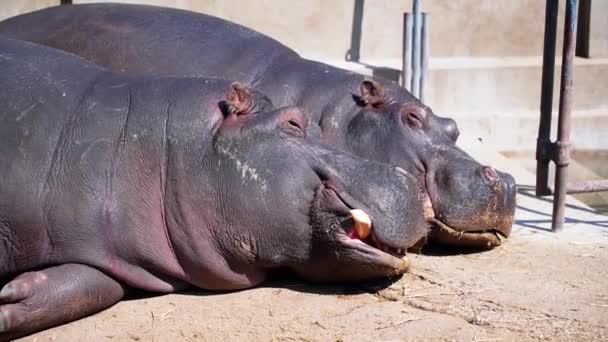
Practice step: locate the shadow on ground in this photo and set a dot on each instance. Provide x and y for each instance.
(545, 221)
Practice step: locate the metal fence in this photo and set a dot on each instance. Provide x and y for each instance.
(559, 151)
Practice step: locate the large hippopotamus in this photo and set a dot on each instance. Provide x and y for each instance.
(473, 204)
(112, 182)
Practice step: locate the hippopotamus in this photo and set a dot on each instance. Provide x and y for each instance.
(113, 182)
(472, 204)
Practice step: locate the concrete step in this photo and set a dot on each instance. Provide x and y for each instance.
(490, 85)
(518, 131)
(510, 84)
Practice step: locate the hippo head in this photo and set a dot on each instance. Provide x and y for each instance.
(285, 200)
(472, 204)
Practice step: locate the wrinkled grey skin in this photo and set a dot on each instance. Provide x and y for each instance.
(112, 182)
(371, 118)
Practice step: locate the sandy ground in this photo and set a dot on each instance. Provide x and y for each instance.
(537, 286)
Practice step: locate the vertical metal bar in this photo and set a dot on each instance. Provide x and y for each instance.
(543, 142)
(416, 50)
(583, 29)
(354, 52)
(65, 2)
(406, 71)
(424, 53)
(562, 156)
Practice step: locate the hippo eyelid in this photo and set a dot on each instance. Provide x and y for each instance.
(412, 119)
(293, 128)
(413, 115)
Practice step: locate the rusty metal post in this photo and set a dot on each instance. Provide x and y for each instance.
(562, 145)
(406, 68)
(424, 53)
(543, 142)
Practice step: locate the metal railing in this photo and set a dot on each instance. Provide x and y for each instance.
(559, 151)
(415, 50)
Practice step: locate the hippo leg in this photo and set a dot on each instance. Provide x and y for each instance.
(39, 300)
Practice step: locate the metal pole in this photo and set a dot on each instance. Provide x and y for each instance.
(562, 145)
(354, 52)
(424, 53)
(65, 2)
(580, 187)
(406, 71)
(543, 142)
(416, 50)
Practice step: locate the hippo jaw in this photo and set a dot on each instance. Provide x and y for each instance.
(489, 238)
(353, 245)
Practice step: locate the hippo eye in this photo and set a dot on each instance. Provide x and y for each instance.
(412, 119)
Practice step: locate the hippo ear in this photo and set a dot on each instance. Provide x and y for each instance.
(238, 100)
(372, 94)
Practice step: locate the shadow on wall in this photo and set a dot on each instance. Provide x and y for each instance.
(354, 53)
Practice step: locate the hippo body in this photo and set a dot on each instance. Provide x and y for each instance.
(112, 182)
(472, 205)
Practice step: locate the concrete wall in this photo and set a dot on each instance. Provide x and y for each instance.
(598, 29)
(323, 28)
(9, 8)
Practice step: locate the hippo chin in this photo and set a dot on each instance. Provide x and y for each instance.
(113, 182)
(374, 119)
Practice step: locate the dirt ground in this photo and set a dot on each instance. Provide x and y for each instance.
(537, 286)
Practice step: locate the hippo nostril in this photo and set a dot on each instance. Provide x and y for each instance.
(490, 173)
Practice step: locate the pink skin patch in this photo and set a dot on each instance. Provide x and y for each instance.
(353, 234)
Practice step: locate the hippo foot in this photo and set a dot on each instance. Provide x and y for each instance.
(39, 300)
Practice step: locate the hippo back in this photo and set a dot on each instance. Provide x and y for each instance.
(152, 36)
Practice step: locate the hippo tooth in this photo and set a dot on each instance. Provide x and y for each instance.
(363, 223)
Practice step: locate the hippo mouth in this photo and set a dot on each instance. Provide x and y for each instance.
(358, 230)
(482, 238)
(477, 236)
(372, 241)
(444, 234)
